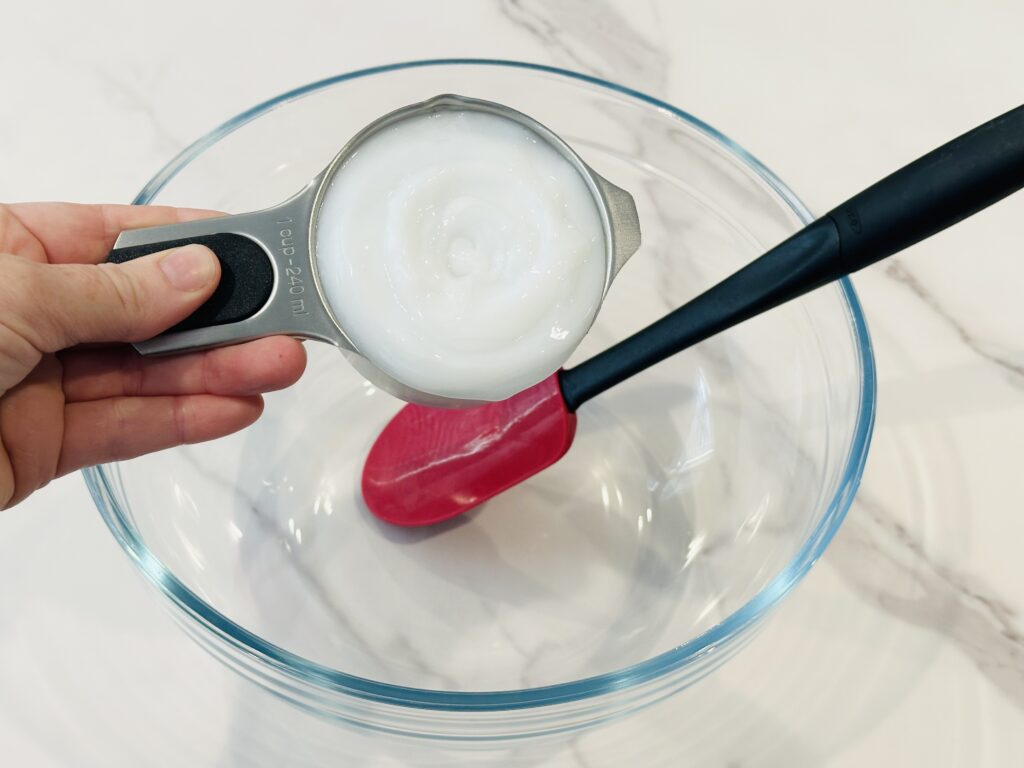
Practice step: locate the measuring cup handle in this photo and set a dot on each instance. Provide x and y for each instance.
(246, 277)
(267, 285)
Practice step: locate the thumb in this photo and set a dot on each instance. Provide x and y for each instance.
(76, 303)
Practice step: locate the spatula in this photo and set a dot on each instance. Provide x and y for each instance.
(431, 464)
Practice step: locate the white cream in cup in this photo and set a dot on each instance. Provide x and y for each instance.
(456, 250)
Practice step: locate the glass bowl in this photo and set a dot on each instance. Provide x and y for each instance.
(695, 496)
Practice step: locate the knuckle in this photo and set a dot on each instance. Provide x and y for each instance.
(23, 305)
(182, 419)
(21, 282)
(125, 292)
(117, 426)
(134, 373)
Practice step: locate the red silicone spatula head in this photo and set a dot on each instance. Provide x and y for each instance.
(430, 464)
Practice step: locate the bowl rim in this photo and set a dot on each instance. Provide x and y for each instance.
(677, 658)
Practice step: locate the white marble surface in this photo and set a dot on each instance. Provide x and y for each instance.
(904, 646)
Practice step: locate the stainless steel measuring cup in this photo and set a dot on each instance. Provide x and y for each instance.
(269, 279)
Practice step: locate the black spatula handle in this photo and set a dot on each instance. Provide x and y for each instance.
(945, 186)
(932, 193)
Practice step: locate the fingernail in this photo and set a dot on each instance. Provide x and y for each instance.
(189, 268)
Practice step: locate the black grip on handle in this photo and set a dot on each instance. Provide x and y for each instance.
(934, 192)
(246, 277)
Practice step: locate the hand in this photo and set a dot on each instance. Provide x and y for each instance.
(64, 406)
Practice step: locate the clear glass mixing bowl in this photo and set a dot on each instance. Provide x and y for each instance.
(695, 497)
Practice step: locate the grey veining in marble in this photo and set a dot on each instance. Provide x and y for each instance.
(931, 594)
(926, 570)
(595, 37)
(1010, 359)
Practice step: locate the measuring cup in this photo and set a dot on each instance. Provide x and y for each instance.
(269, 272)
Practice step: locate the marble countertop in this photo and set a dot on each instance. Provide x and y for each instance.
(905, 644)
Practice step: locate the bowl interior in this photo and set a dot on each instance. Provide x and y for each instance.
(688, 491)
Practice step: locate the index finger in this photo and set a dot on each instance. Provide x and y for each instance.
(71, 233)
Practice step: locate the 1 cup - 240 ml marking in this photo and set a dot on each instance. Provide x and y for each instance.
(292, 274)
